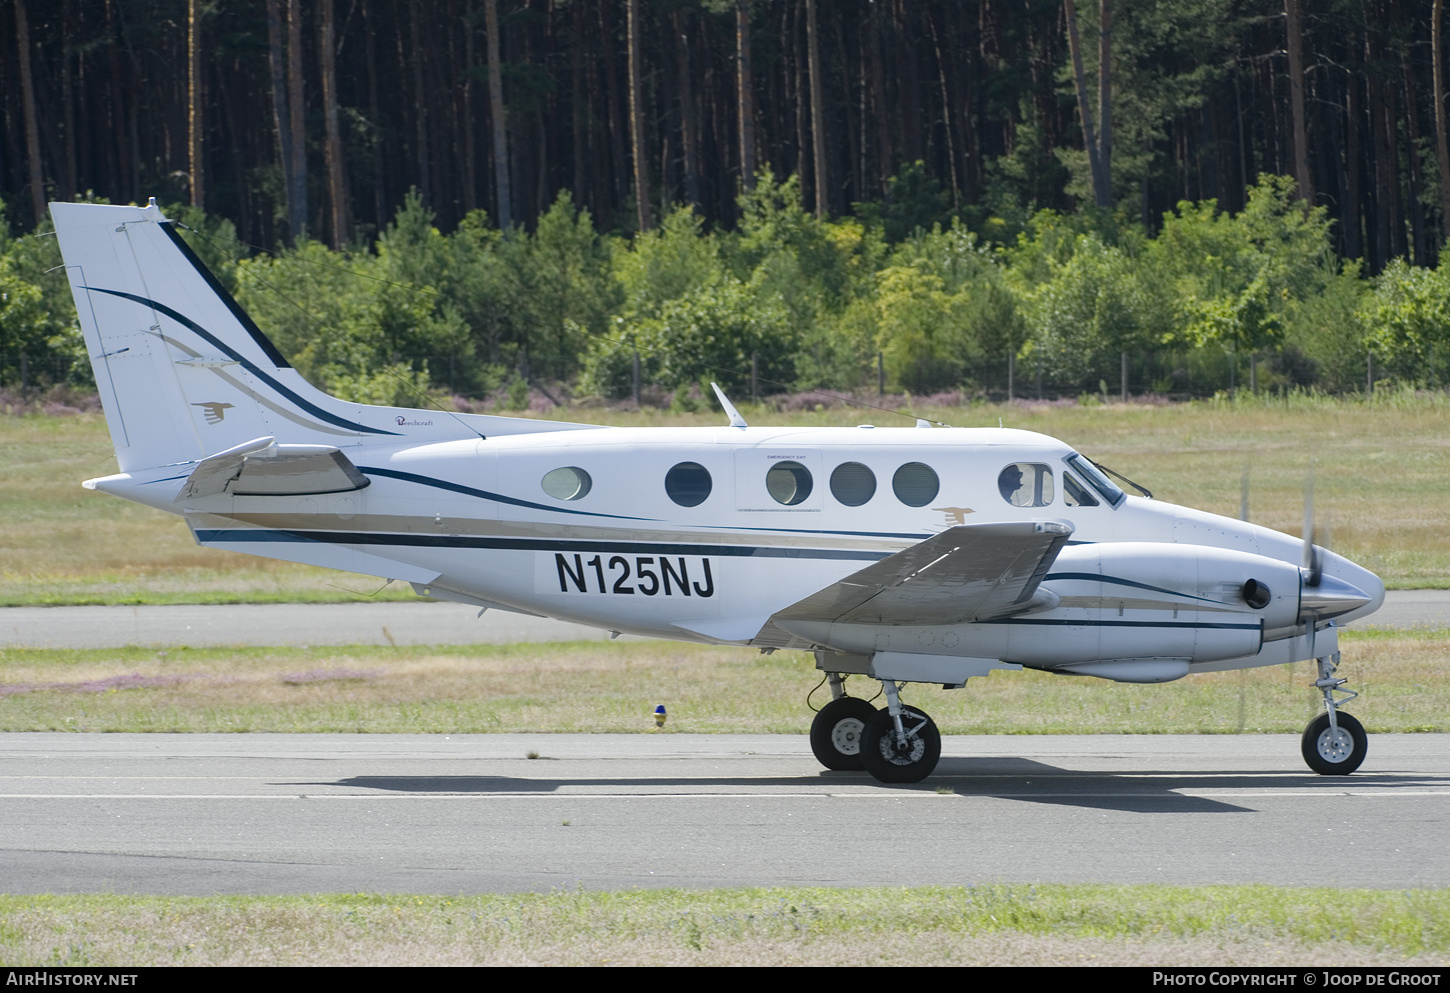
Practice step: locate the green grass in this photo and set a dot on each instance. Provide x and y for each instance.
(1381, 476)
(973, 925)
(1381, 482)
(1403, 679)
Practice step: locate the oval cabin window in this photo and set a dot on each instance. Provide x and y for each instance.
(916, 484)
(567, 483)
(688, 484)
(853, 484)
(788, 482)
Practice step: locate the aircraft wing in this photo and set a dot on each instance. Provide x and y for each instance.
(264, 468)
(968, 572)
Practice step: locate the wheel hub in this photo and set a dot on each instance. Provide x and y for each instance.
(1335, 745)
(846, 736)
(902, 752)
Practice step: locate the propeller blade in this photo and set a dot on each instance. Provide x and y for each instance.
(1313, 564)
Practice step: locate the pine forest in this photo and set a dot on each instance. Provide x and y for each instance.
(505, 203)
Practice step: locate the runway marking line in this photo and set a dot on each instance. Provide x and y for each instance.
(883, 795)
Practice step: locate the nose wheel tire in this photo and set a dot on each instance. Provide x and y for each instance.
(1331, 752)
(836, 732)
(891, 761)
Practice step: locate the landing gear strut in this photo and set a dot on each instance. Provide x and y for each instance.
(836, 730)
(899, 744)
(1334, 744)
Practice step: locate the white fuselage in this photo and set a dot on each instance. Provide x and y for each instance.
(472, 520)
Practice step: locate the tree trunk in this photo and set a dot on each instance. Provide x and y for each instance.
(689, 119)
(470, 168)
(745, 102)
(1295, 30)
(68, 73)
(880, 112)
(1418, 246)
(194, 104)
(421, 136)
(795, 74)
(1089, 139)
(32, 128)
(636, 118)
(500, 119)
(1354, 241)
(1386, 202)
(281, 115)
(818, 112)
(375, 115)
(946, 103)
(1442, 148)
(297, 211)
(332, 151)
(1105, 100)
(579, 106)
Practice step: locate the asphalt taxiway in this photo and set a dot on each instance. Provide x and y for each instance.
(206, 814)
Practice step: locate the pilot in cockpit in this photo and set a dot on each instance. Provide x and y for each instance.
(1009, 483)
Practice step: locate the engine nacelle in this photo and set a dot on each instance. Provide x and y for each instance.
(1127, 601)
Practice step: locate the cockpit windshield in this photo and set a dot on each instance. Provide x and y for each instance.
(1097, 479)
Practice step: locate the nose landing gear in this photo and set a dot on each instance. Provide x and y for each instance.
(1334, 744)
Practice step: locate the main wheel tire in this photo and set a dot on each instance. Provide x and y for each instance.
(892, 765)
(836, 732)
(1334, 753)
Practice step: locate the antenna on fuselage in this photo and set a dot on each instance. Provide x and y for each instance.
(736, 421)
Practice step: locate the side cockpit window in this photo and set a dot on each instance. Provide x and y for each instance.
(1075, 494)
(1026, 484)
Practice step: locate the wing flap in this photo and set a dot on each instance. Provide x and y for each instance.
(966, 573)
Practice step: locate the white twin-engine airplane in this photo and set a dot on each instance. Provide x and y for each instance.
(897, 554)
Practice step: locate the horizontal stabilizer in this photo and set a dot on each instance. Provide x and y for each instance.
(264, 468)
(968, 572)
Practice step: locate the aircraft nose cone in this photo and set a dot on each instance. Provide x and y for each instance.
(1333, 597)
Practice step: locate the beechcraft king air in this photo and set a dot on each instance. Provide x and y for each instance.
(898, 555)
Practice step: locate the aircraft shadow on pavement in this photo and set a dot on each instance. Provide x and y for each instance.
(1066, 791)
(1151, 792)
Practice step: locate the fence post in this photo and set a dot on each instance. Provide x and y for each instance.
(880, 374)
(24, 378)
(1369, 375)
(1011, 375)
(754, 377)
(1123, 357)
(636, 378)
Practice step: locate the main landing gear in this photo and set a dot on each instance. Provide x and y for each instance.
(1334, 744)
(897, 744)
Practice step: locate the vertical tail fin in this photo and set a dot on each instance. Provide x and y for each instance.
(182, 371)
